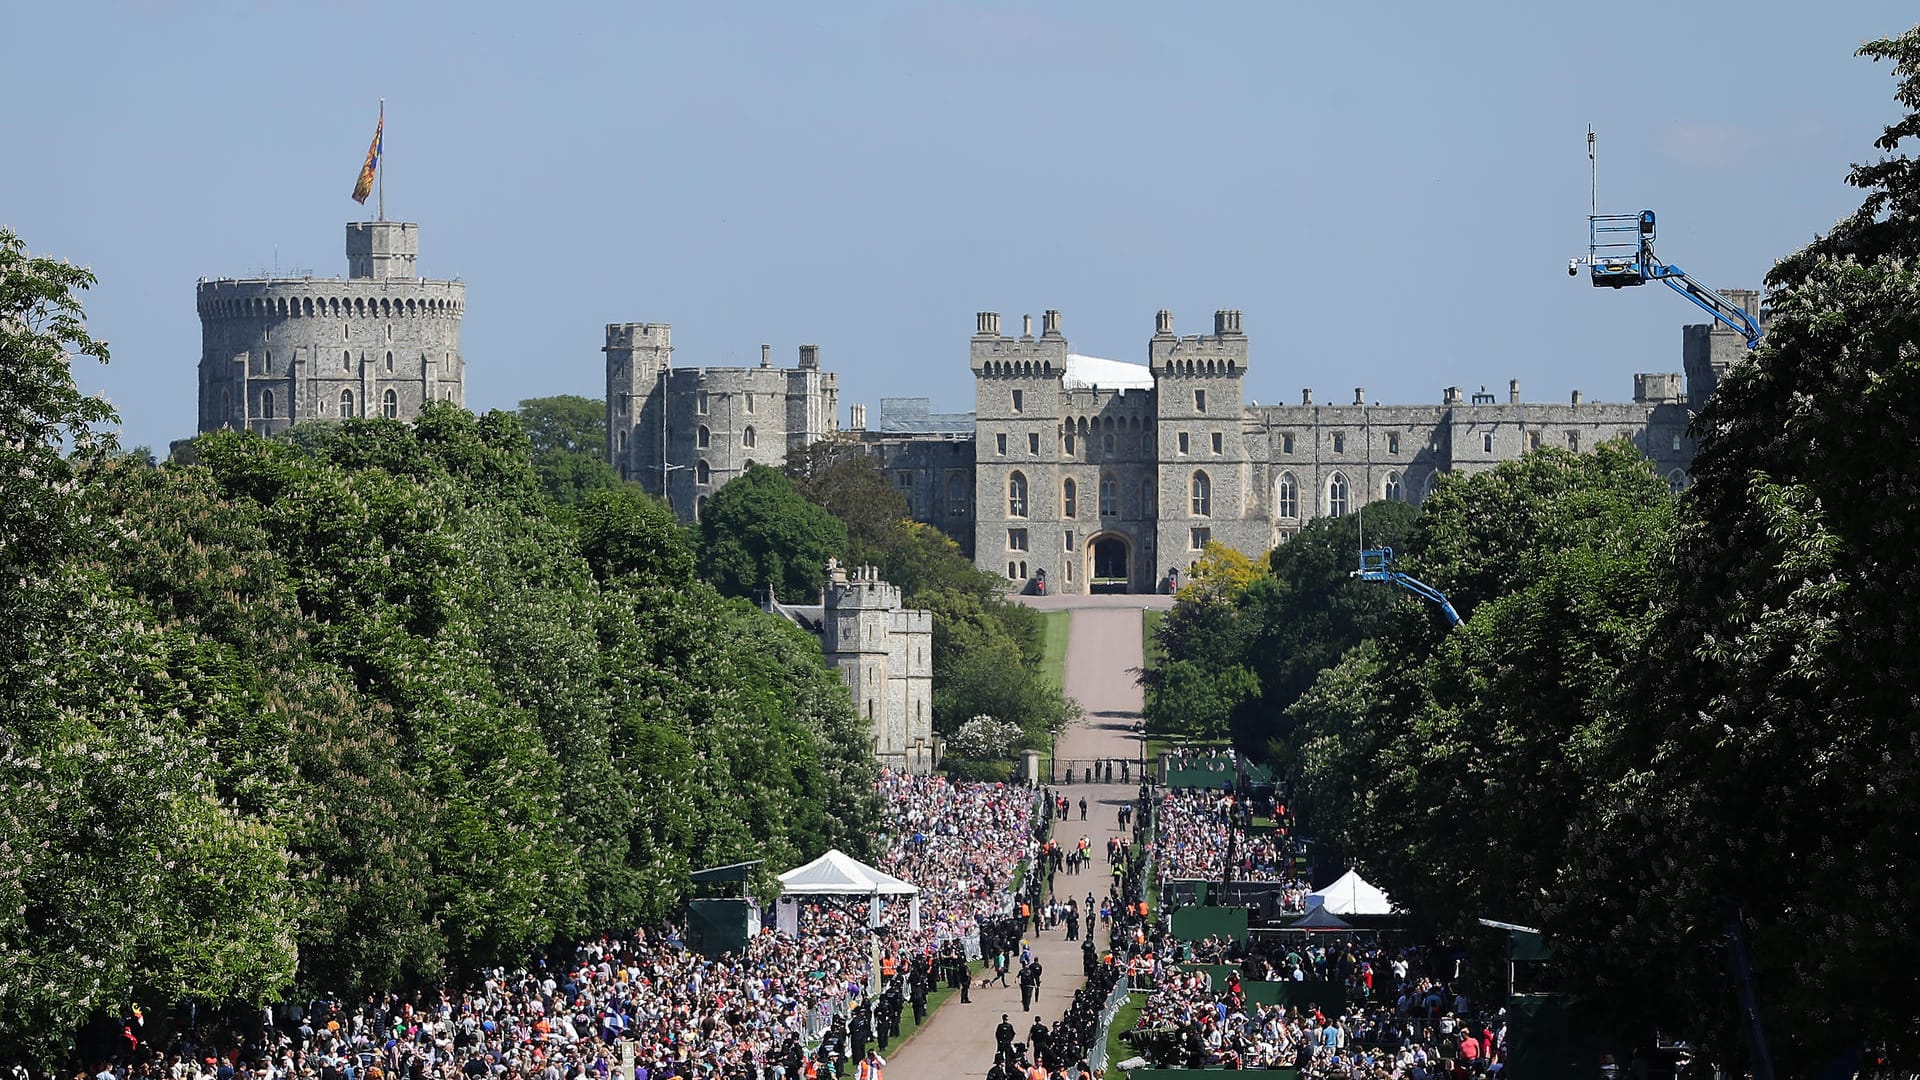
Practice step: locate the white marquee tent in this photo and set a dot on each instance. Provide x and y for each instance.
(838, 874)
(1351, 895)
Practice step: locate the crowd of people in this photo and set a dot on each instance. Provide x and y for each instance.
(789, 1006)
(1208, 835)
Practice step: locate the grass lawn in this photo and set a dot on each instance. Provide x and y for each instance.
(1053, 646)
(1123, 1020)
(1149, 622)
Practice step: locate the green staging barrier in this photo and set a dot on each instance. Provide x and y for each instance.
(1194, 923)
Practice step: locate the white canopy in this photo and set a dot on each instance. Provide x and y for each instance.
(838, 874)
(1103, 374)
(1351, 895)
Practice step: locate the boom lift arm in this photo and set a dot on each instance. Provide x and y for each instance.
(1620, 255)
(1376, 564)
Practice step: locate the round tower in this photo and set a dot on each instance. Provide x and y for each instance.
(379, 342)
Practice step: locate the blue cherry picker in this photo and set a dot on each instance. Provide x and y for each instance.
(1620, 255)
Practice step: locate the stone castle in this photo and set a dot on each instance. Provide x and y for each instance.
(1103, 476)
(885, 654)
(381, 342)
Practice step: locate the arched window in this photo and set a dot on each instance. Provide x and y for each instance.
(1202, 489)
(746, 437)
(346, 361)
(1109, 496)
(621, 440)
(702, 438)
(1017, 495)
(1149, 498)
(1394, 491)
(1677, 481)
(701, 474)
(699, 507)
(1106, 443)
(266, 404)
(1433, 481)
(1069, 498)
(390, 405)
(1486, 442)
(1339, 498)
(346, 403)
(389, 355)
(1286, 497)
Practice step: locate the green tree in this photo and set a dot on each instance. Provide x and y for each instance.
(568, 438)
(628, 533)
(757, 531)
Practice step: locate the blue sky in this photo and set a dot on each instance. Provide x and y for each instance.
(1389, 192)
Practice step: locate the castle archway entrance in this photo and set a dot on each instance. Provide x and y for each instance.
(1111, 556)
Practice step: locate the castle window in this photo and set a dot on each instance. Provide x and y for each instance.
(956, 495)
(1573, 441)
(1339, 442)
(1202, 490)
(1676, 441)
(266, 404)
(746, 437)
(390, 405)
(903, 479)
(1183, 442)
(1286, 497)
(702, 438)
(1393, 442)
(1149, 499)
(699, 507)
(389, 355)
(1197, 539)
(1066, 442)
(621, 440)
(1016, 539)
(700, 403)
(1533, 440)
(1069, 569)
(226, 406)
(1019, 401)
(1339, 497)
(747, 401)
(1109, 497)
(346, 361)
(1286, 443)
(1033, 442)
(1000, 444)
(1069, 498)
(1486, 442)
(1199, 401)
(1017, 495)
(1216, 442)
(1394, 490)
(1106, 444)
(1676, 481)
(1069, 544)
(701, 472)
(346, 403)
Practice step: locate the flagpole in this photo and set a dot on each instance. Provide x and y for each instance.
(380, 166)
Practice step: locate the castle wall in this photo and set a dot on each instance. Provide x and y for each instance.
(717, 421)
(275, 352)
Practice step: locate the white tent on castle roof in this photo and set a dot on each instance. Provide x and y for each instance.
(1351, 895)
(838, 874)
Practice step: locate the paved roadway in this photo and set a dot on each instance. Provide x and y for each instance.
(1103, 647)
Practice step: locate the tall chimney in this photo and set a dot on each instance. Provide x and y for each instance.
(766, 355)
(1306, 395)
(1221, 324)
(1359, 395)
(1163, 322)
(810, 358)
(1050, 323)
(1026, 327)
(986, 324)
(1513, 391)
(857, 418)
(1450, 396)
(1576, 397)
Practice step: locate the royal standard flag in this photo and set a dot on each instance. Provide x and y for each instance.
(364, 186)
